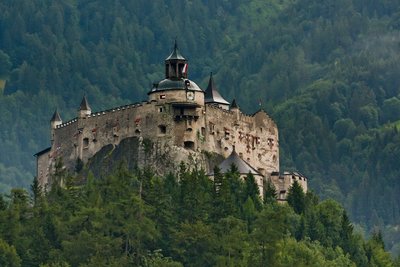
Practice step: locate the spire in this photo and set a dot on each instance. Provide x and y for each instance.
(175, 55)
(84, 104)
(84, 108)
(212, 96)
(56, 117)
(55, 120)
(234, 105)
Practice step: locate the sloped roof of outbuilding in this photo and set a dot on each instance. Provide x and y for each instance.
(212, 95)
(242, 166)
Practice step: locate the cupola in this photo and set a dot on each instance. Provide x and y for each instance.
(176, 66)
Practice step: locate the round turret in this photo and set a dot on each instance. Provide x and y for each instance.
(84, 108)
(176, 87)
(55, 120)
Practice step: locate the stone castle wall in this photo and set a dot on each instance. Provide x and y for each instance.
(255, 137)
(196, 129)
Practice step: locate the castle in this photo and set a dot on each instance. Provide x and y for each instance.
(181, 122)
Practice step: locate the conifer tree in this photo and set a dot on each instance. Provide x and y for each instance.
(296, 198)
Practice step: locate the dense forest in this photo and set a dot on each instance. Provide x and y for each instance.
(138, 219)
(327, 72)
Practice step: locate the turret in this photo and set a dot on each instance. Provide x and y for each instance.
(212, 96)
(84, 108)
(176, 66)
(235, 108)
(54, 122)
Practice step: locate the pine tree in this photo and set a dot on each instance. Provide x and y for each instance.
(296, 198)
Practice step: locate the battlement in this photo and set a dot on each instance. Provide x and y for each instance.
(107, 112)
(67, 123)
(178, 116)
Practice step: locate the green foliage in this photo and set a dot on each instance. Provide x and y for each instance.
(296, 198)
(8, 255)
(140, 219)
(327, 71)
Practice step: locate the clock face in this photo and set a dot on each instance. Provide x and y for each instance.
(190, 95)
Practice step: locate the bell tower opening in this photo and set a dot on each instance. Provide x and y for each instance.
(176, 65)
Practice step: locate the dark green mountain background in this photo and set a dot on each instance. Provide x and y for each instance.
(327, 72)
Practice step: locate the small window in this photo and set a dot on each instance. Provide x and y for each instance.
(162, 96)
(189, 130)
(162, 129)
(212, 127)
(226, 148)
(160, 110)
(203, 131)
(188, 145)
(282, 194)
(137, 131)
(85, 142)
(241, 155)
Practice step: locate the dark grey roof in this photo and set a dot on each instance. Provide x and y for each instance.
(173, 84)
(243, 166)
(212, 95)
(175, 55)
(233, 104)
(44, 151)
(56, 116)
(84, 104)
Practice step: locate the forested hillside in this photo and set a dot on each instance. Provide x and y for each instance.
(138, 219)
(327, 71)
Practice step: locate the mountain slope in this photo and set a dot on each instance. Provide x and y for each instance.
(327, 72)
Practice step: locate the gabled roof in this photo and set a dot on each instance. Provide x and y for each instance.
(175, 55)
(56, 116)
(235, 159)
(212, 95)
(84, 104)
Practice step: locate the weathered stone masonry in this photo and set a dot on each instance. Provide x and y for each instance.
(181, 120)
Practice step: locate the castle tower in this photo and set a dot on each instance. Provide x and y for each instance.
(212, 96)
(176, 87)
(176, 66)
(84, 108)
(54, 122)
(235, 108)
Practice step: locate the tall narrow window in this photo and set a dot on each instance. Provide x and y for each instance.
(162, 129)
(85, 142)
